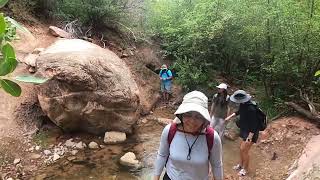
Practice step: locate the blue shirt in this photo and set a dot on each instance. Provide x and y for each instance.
(165, 75)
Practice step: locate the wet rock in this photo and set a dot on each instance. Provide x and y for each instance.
(71, 158)
(81, 145)
(74, 152)
(9, 179)
(59, 150)
(35, 156)
(114, 137)
(93, 145)
(129, 159)
(56, 157)
(16, 161)
(69, 143)
(102, 146)
(38, 148)
(47, 152)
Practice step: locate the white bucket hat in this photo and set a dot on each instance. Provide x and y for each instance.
(195, 101)
(240, 96)
(223, 86)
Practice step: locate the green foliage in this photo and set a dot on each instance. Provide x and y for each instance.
(41, 139)
(95, 13)
(10, 87)
(275, 42)
(8, 62)
(31, 79)
(190, 75)
(317, 73)
(3, 3)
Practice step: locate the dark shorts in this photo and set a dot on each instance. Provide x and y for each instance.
(244, 134)
(166, 177)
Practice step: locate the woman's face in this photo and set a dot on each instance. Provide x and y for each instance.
(193, 121)
(220, 90)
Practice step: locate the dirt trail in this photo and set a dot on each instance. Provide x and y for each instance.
(13, 143)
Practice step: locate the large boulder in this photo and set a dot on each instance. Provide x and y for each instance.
(90, 88)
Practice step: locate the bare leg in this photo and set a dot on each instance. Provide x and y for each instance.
(246, 157)
(167, 97)
(242, 146)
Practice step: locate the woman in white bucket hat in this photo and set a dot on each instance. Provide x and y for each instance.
(219, 109)
(248, 124)
(188, 147)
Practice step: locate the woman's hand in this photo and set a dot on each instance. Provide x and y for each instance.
(156, 177)
(229, 117)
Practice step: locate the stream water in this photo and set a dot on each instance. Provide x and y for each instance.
(104, 163)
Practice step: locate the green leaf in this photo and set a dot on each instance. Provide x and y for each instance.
(18, 26)
(5, 68)
(317, 73)
(3, 3)
(31, 79)
(8, 52)
(13, 63)
(2, 25)
(10, 87)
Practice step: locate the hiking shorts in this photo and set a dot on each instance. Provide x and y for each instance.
(166, 86)
(244, 134)
(219, 124)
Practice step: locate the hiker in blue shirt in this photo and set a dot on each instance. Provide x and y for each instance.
(165, 76)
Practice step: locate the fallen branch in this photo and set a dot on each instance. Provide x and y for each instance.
(305, 98)
(102, 40)
(304, 112)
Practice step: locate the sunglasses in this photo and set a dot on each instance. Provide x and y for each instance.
(194, 115)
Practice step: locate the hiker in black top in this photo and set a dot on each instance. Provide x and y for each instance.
(248, 119)
(248, 125)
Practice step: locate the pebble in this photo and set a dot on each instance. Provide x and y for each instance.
(74, 152)
(47, 152)
(56, 157)
(71, 158)
(93, 145)
(35, 156)
(16, 161)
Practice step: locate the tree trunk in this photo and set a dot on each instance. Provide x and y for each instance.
(304, 112)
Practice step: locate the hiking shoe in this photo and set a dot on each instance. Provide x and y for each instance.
(242, 172)
(237, 167)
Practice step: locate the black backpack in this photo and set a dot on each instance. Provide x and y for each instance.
(261, 117)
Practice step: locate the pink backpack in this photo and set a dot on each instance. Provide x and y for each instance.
(209, 135)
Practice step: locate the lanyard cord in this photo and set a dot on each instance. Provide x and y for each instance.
(190, 147)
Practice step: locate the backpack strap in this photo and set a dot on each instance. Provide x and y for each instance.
(210, 138)
(172, 132)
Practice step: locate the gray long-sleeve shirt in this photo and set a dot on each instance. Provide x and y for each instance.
(197, 168)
